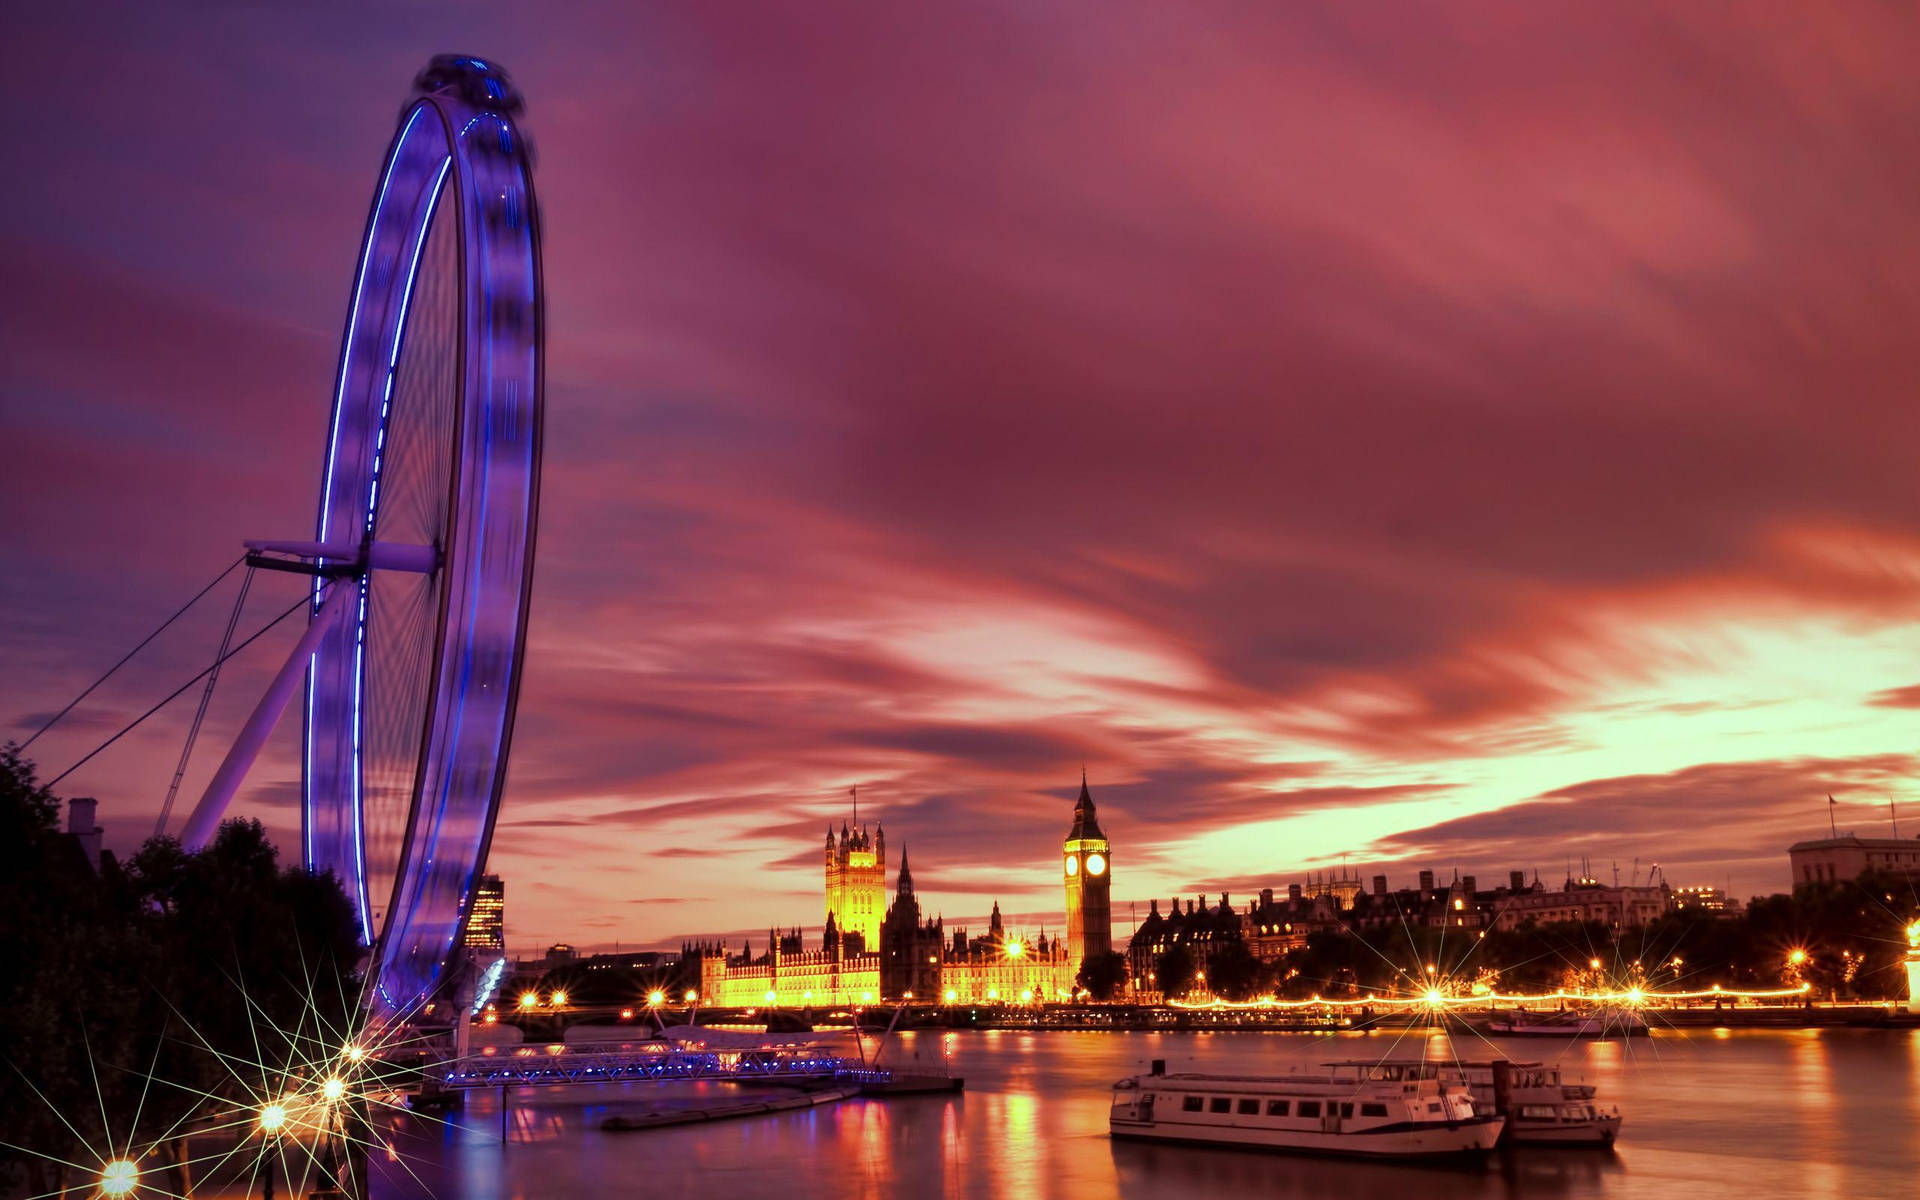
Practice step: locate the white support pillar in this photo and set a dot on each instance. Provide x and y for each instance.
(253, 735)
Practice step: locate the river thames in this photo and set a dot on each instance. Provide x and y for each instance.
(1709, 1113)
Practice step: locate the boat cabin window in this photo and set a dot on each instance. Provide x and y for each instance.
(1249, 1108)
(1346, 1111)
(1433, 1106)
(1309, 1108)
(1277, 1108)
(1220, 1104)
(1373, 1110)
(1190, 1104)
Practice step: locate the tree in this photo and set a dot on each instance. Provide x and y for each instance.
(200, 972)
(1234, 973)
(1173, 972)
(62, 1010)
(1103, 975)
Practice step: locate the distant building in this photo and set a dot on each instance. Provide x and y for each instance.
(559, 955)
(1272, 926)
(1830, 860)
(1202, 930)
(908, 954)
(857, 884)
(1705, 899)
(1587, 900)
(486, 934)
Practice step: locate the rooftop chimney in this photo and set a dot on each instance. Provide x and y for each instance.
(1517, 880)
(1379, 885)
(1426, 881)
(1466, 884)
(80, 824)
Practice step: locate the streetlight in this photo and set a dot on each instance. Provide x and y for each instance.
(333, 1089)
(355, 1053)
(272, 1118)
(656, 997)
(119, 1178)
(560, 999)
(529, 1000)
(692, 995)
(1796, 956)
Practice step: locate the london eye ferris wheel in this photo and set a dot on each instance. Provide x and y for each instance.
(422, 555)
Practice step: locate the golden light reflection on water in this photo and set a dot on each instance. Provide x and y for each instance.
(1711, 1115)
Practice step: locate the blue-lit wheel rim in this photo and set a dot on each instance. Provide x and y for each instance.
(435, 441)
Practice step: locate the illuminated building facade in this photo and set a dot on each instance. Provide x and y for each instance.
(487, 918)
(909, 955)
(857, 883)
(1087, 874)
(1705, 899)
(788, 975)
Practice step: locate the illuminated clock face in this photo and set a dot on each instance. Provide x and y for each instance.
(1096, 864)
(1073, 865)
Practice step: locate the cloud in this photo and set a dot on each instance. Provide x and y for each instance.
(1324, 428)
(1687, 820)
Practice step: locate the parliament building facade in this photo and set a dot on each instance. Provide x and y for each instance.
(871, 951)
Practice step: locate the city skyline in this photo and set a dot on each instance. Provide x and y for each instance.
(1451, 491)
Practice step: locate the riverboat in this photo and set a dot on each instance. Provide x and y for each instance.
(1572, 1023)
(1541, 1108)
(1339, 1112)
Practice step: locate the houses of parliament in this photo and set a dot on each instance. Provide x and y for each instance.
(871, 951)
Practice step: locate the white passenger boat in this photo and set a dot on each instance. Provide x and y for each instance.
(1341, 1111)
(1541, 1108)
(1581, 1023)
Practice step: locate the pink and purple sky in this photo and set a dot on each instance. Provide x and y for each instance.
(1435, 435)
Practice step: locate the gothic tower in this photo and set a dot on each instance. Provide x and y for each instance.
(1089, 881)
(910, 949)
(857, 884)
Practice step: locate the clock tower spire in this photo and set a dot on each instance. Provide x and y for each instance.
(1088, 866)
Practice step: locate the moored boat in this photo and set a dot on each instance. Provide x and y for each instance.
(1540, 1107)
(1581, 1023)
(1341, 1111)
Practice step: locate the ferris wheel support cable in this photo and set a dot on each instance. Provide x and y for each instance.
(206, 698)
(176, 693)
(253, 735)
(180, 612)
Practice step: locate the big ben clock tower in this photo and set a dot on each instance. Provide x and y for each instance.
(1088, 868)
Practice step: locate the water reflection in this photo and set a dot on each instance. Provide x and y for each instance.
(1833, 1112)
